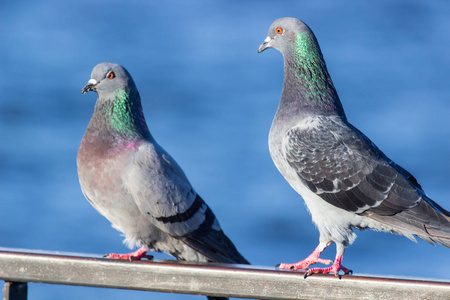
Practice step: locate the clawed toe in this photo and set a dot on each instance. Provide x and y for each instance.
(334, 269)
(291, 267)
(137, 255)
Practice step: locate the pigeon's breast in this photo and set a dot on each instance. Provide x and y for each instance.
(101, 180)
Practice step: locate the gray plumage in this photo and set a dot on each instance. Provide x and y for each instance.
(345, 180)
(133, 182)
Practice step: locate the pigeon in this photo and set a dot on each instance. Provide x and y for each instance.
(346, 181)
(134, 183)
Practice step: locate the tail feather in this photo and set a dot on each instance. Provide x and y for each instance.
(212, 242)
(439, 208)
(437, 240)
(217, 247)
(440, 233)
(445, 243)
(427, 220)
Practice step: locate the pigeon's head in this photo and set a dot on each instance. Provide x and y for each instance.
(283, 35)
(107, 78)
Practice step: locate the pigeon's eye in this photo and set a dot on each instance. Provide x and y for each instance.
(110, 75)
(279, 30)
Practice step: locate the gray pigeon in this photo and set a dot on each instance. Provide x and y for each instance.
(345, 180)
(129, 178)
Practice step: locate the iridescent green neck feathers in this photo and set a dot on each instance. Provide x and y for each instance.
(306, 76)
(121, 115)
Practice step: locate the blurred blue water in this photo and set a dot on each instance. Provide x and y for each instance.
(209, 99)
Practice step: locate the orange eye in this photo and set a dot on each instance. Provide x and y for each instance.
(110, 75)
(279, 30)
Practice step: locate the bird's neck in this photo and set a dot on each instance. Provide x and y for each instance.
(307, 85)
(120, 119)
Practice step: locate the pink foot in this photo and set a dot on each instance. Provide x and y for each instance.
(304, 264)
(312, 259)
(334, 269)
(136, 255)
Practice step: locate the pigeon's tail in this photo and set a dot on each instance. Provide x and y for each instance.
(211, 241)
(216, 246)
(439, 234)
(427, 220)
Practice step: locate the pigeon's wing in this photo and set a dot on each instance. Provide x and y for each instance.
(345, 169)
(161, 190)
(163, 193)
(342, 166)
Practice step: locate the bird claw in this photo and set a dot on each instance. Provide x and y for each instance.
(335, 268)
(291, 267)
(304, 264)
(307, 274)
(129, 256)
(345, 270)
(137, 255)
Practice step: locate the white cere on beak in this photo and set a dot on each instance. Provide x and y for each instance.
(92, 81)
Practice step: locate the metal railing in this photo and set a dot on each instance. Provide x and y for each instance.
(18, 268)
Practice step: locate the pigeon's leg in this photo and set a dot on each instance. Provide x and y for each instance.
(311, 259)
(136, 255)
(335, 268)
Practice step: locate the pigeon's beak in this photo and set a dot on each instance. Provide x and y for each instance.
(266, 44)
(90, 86)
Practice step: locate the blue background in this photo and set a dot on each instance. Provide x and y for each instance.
(209, 100)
